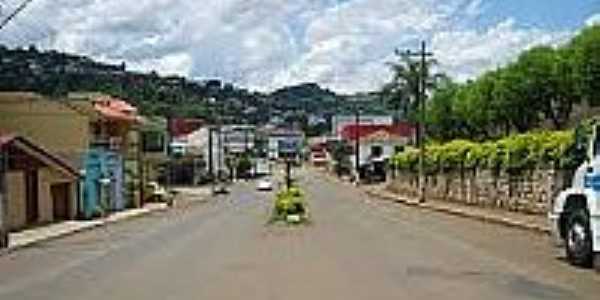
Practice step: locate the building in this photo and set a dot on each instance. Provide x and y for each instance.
(378, 143)
(338, 123)
(95, 133)
(154, 148)
(113, 156)
(189, 155)
(238, 139)
(318, 154)
(285, 144)
(39, 187)
(65, 131)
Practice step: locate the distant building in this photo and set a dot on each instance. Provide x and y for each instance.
(378, 142)
(181, 127)
(285, 144)
(238, 139)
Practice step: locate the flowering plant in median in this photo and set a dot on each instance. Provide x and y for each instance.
(290, 206)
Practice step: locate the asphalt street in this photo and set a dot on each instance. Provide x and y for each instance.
(355, 248)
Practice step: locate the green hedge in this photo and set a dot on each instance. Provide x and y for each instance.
(543, 148)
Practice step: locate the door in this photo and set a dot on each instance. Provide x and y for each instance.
(61, 201)
(31, 196)
(92, 189)
(114, 168)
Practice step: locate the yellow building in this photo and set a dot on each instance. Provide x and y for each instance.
(40, 187)
(50, 123)
(95, 133)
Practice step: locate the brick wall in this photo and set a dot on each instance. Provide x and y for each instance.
(527, 191)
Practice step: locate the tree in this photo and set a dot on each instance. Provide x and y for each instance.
(442, 122)
(585, 51)
(401, 92)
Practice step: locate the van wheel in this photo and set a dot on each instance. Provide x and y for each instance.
(578, 242)
(597, 262)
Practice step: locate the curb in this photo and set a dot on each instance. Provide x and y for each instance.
(101, 223)
(463, 213)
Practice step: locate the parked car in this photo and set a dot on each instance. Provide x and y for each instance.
(265, 184)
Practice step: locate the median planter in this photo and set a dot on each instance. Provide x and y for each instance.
(290, 207)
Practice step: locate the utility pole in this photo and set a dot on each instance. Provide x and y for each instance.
(210, 153)
(357, 145)
(219, 151)
(288, 173)
(169, 150)
(421, 97)
(3, 199)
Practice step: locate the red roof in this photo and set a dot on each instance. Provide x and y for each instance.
(179, 127)
(398, 130)
(116, 109)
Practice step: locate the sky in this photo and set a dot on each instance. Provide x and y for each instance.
(266, 44)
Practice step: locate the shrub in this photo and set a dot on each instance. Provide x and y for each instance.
(515, 152)
(289, 202)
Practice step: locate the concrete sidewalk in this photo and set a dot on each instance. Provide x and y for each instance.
(33, 236)
(537, 223)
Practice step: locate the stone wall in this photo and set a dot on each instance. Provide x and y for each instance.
(527, 191)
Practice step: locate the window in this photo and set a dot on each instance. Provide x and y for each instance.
(376, 151)
(153, 142)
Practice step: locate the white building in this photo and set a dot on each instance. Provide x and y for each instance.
(238, 139)
(197, 144)
(378, 142)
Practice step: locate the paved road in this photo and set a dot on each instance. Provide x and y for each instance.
(357, 248)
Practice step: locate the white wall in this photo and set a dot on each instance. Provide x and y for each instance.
(365, 151)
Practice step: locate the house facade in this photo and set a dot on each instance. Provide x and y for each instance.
(154, 148)
(95, 133)
(378, 143)
(39, 187)
(112, 160)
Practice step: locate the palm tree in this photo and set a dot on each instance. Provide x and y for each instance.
(402, 91)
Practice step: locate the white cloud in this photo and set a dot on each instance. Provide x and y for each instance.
(474, 8)
(264, 44)
(467, 53)
(593, 20)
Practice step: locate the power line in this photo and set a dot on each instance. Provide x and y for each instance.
(9, 18)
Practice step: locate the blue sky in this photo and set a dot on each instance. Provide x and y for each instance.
(550, 14)
(266, 44)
